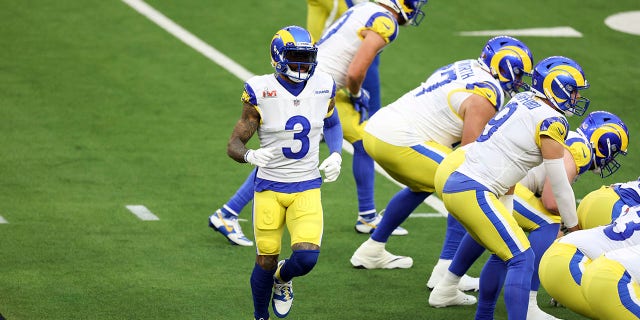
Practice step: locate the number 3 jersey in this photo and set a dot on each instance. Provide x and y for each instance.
(509, 146)
(290, 123)
(430, 111)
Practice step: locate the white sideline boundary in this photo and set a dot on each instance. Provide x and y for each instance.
(239, 71)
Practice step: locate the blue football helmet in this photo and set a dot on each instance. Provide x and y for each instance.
(609, 137)
(293, 53)
(509, 60)
(409, 10)
(559, 80)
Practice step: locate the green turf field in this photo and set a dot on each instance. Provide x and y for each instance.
(101, 109)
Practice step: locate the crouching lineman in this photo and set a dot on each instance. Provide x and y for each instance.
(562, 266)
(531, 129)
(289, 110)
(535, 208)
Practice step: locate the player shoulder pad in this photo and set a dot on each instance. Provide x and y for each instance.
(384, 25)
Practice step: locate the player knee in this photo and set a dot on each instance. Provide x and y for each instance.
(302, 261)
(268, 247)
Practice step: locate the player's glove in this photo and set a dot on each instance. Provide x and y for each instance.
(260, 157)
(331, 167)
(360, 102)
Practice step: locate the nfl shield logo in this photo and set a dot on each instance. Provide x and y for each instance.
(296, 102)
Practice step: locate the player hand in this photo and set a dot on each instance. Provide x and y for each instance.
(331, 167)
(260, 157)
(360, 102)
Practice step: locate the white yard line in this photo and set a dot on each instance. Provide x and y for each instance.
(236, 69)
(565, 32)
(142, 213)
(3, 220)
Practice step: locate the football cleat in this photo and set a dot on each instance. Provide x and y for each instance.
(369, 225)
(445, 296)
(535, 313)
(282, 295)
(466, 283)
(372, 255)
(230, 228)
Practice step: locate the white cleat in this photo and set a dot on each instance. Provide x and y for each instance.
(230, 228)
(466, 283)
(535, 313)
(445, 296)
(282, 299)
(369, 225)
(372, 255)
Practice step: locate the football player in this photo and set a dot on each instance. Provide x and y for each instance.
(610, 284)
(289, 109)
(225, 219)
(529, 130)
(535, 208)
(601, 206)
(414, 133)
(562, 266)
(346, 50)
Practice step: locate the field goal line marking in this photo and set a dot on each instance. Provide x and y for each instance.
(237, 70)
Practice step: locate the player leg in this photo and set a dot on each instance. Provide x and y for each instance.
(305, 224)
(561, 274)
(400, 163)
(225, 219)
(489, 223)
(610, 290)
(268, 227)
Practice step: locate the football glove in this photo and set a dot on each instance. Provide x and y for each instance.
(360, 103)
(260, 157)
(331, 167)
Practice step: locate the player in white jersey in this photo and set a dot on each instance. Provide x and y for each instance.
(562, 266)
(610, 284)
(599, 207)
(534, 206)
(414, 133)
(345, 51)
(289, 110)
(529, 130)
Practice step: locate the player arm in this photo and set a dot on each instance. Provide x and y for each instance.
(476, 112)
(553, 159)
(244, 129)
(372, 43)
(547, 198)
(333, 129)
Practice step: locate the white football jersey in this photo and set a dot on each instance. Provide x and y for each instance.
(292, 124)
(629, 257)
(629, 192)
(509, 145)
(430, 111)
(341, 40)
(580, 150)
(624, 231)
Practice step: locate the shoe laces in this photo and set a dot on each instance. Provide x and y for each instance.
(283, 289)
(236, 227)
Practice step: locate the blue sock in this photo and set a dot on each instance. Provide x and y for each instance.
(452, 237)
(372, 84)
(540, 240)
(300, 263)
(468, 252)
(491, 280)
(241, 198)
(261, 288)
(517, 284)
(364, 174)
(397, 211)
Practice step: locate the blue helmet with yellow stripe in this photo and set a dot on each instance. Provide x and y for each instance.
(559, 80)
(409, 11)
(293, 53)
(609, 137)
(509, 60)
